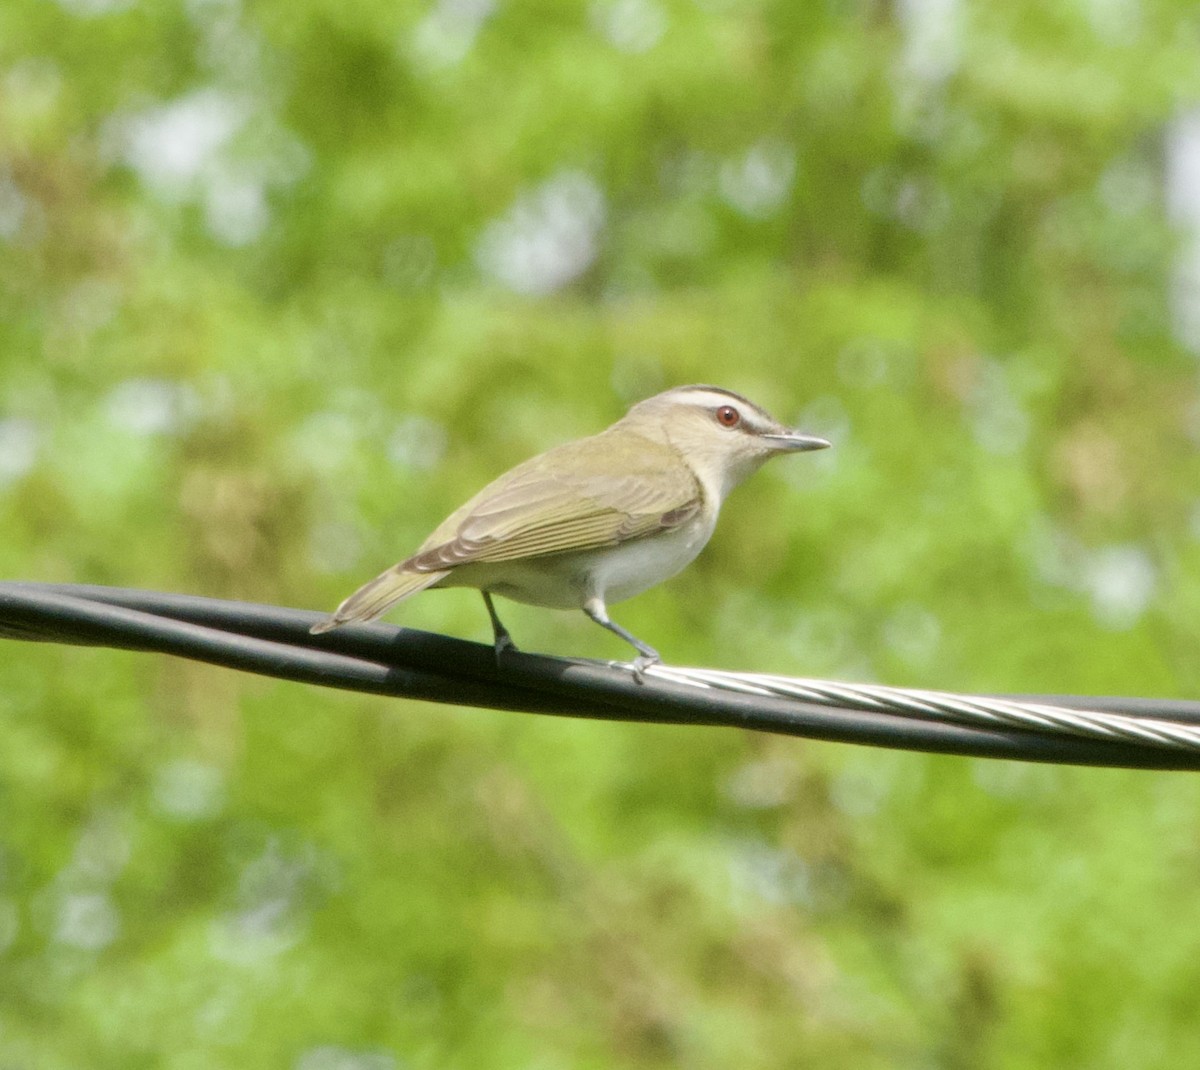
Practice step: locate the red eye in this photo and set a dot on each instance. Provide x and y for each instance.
(728, 416)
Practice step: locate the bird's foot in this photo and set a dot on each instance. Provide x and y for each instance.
(641, 663)
(502, 645)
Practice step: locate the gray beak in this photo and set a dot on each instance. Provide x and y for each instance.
(795, 442)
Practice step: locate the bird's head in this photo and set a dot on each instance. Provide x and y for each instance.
(723, 436)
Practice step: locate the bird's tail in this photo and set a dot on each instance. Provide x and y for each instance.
(375, 598)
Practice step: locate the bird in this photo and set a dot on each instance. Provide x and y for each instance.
(595, 520)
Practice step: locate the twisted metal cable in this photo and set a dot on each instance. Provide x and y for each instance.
(384, 660)
(964, 709)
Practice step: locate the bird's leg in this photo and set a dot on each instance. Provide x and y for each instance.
(502, 640)
(647, 655)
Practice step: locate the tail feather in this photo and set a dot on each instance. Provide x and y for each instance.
(375, 598)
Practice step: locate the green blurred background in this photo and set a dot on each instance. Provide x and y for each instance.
(283, 283)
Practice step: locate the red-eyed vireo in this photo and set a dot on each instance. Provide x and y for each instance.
(597, 520)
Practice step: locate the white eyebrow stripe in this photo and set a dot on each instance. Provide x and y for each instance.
(714, 399)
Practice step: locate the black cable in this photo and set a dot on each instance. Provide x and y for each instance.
(385, 660)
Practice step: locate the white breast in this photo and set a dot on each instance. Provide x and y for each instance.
(636, 566)
(566, 581)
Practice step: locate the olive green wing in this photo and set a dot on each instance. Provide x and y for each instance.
(587, 495)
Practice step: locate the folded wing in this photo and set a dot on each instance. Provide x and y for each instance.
(585, 495)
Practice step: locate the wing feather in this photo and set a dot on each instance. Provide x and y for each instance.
(568, 500)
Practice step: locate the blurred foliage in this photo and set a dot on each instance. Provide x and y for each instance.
(282, 283)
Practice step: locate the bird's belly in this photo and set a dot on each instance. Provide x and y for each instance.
(566, 581)
(636, 566)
